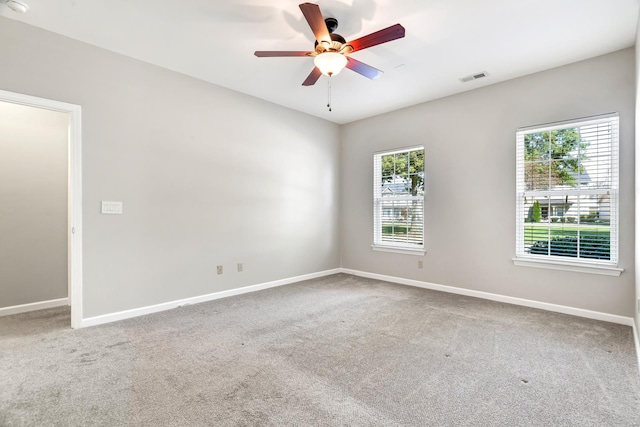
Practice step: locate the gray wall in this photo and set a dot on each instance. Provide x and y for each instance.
(33, 205)
(470, 192)
(208, 176)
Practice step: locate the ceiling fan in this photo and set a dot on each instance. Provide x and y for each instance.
(331, 52)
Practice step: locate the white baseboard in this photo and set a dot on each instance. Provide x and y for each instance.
(127, 314)
(121, 315)
(605, 317)
(637, 343)
(23, 308)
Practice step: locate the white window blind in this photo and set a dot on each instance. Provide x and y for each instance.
(398, 198)
(567, 191)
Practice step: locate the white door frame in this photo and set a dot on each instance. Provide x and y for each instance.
(75, 192)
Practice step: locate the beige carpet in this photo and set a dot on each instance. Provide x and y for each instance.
(340, 350)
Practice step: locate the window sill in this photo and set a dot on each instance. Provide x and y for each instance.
(399, 250)
(607, 270)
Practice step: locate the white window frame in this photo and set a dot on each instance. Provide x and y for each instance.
(378, 244)
(605, 267)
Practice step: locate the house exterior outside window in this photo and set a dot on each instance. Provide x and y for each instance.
(567, 195)
(398, 200)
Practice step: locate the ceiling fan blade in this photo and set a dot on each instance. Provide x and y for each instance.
(273, 53)
(316, 21)
(313, 77)
(363, 69)
(386, 35)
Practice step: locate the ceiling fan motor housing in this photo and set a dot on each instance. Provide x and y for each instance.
(337, 39)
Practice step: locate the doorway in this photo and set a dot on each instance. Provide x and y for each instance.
(74, 196)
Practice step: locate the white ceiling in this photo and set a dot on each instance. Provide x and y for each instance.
(214, 40)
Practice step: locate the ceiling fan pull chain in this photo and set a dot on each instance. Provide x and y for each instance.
(329, 94)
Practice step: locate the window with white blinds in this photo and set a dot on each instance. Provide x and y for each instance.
(398, 199)
(567, 191)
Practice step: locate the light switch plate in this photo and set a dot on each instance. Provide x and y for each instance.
(111, 208)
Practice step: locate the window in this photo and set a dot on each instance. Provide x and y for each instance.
(567, 193)
(398, 200)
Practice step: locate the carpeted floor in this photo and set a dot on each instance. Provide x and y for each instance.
(340, 350)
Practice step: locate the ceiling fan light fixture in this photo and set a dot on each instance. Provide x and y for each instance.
(18, 6)
(330, 63)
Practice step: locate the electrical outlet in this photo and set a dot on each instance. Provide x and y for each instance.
(420, 263)
(219, 269)
(240, 267)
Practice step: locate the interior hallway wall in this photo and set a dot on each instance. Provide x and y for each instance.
(207, 176)
(469, 142)
(33, 204)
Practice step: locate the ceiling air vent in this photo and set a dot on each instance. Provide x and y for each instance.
(475, 76)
